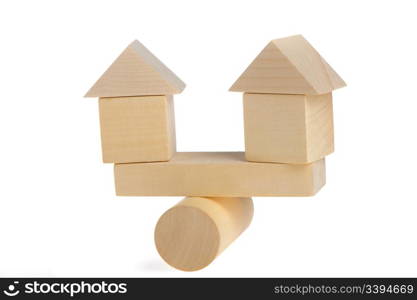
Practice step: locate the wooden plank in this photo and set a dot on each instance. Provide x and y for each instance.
(136, 72)
(289, 66)
(190, 235)
(283, 128)
(137, 129)
(217, 174)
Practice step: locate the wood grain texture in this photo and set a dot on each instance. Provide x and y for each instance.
(319, 126)
(137, 129)
(190, 235)
(295, 129)
(136, 72)
(289, 66)
(217, 174)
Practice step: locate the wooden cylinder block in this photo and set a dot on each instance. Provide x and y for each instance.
(191, 234)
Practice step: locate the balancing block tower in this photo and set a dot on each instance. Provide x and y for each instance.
(136, 107)
(288, 112)
(288, 132)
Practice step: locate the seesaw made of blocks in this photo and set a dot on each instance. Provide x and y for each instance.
(288, 124)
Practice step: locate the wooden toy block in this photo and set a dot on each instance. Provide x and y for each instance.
(282, 128)
(190, 235)
(136, 107)
(288, 66)
(136, 72)
(137, 129)
(217, 174)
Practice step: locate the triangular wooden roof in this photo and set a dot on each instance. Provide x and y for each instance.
(289, 66)
(136, 72)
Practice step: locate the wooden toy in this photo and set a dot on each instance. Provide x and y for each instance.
(136, 107)
(288, 110)
(137, 128)
(217, 174)
(288, 66)
(288, 128)
(191, 234)
(288, 119)
(136, 72)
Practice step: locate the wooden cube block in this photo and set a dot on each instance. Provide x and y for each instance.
(137, 129)
(218, 174)
(288, 128)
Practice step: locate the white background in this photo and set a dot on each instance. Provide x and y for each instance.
(59, 213)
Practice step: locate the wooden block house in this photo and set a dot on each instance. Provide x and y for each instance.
(287, 100)
(136, 107)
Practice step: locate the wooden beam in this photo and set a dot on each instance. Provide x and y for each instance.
(217, 174)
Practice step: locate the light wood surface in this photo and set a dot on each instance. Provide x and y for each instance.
(289, 66)
(217, 174)
(190, 235)
(282, 128)
(319, 126)
(136, 72)
(137, 129)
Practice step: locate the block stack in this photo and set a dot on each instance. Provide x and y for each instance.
(288, 132)
(287, 103)
(136, 107)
